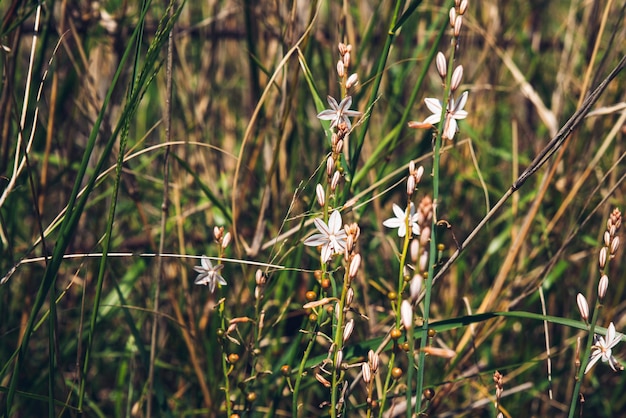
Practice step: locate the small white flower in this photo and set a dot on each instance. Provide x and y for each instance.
(454, 112)
(602, 348)
(339, 112)
(400, 220)
(332, 237)
(209, 275)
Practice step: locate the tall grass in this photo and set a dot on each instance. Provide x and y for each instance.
(132, 132)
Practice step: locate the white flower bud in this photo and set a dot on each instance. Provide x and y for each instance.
(372, 358)
(458, 24)
(217, 233)
(349, 297)
(442, 65)
(334, 182)
(457, 76)
(227, 238)
(423, 264)
(330, 165)
(452, 16)
(346, 59)
(583, 307)
(367, 372)
(341, 71)
(414, 250)
(607, 238)
(321, 194)
(603, 285)
(416, 286)
(339, 359)
(602, 257)
(406, 315)
(352, 81)
(419, 173)
(347, 331)
(355, 264)
(463, 7)
(614, 245)
(410, 185)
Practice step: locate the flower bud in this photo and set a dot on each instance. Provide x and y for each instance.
(341, 71)
(349, 297)
(226, 240)
(406, 315)
(457, 76)
(410, 185)
(452, 16)
(367, 372)
(260, 278)
(354, 265)
(442, 65)
(347, 331)
(602, 257)
(372, 358)
(583, 307)
(458, 24)
(416, 287)
(614, 245)
(339, 359)
(607, 238)
(463, 7)
(414, 250)
(352, 81)
(330, 165)
(321, 195)
(334, 182)
(603, 285)
(322, 380)
(218, 232)
(419, 173)
(346, 59)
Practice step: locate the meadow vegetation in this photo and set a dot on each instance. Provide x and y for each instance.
(312, 208)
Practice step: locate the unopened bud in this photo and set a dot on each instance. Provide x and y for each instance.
(322, 380)
(607, 238)
(406, 314)
(463, 7)
(583, 306)
(602, 257)
(352, 81)
(226, 240)
(339, 146)
(334, 182)
(372, 358)
(339, 359)
(367, 372)
(452, 16)
(355, 264)
(603, 285)
(419, 173)
(349, 297)
(346, 59)
(458, 24)
(260, 278)
(321, 194)
(218, 233)
(347, 331)
(416, 287)
(341, 71)
(410, 185)
(614, 245)
(457, 76)
(330, 165)
(442, 65)
(414, 250)
(423, 264)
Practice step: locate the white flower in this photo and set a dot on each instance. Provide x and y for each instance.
(457, 113)
(332, 237)
(400, 220)
(601, 349)
(209, 275)
(339, 112)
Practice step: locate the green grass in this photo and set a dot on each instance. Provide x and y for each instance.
(131, 164)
